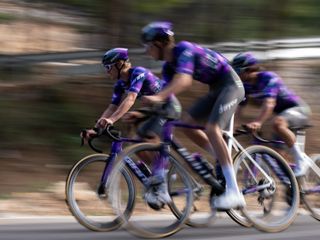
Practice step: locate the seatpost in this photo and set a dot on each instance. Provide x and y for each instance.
(229, 132)
(301, 139)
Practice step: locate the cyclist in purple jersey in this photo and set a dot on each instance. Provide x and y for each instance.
(203, 64)
(185, 62)
(276, 99)
(131, 84)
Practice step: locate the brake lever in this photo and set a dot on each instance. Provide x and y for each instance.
(83, 135)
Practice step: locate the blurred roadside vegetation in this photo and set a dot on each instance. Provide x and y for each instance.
(205, 20)
(119, 22)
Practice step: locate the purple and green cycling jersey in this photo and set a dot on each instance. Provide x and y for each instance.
(202, 63)
(270, 85)
(141, 81)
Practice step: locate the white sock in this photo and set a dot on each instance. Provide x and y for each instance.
(297, 153)
(230, 176)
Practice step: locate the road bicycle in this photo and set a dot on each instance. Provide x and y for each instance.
(309, 183)
(88, 187)
(265, 186)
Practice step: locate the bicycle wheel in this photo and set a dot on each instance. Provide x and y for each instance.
(269, 187)
(91, 209)
(145, 221)
(201, 214)
(310, 186)
(236, 214)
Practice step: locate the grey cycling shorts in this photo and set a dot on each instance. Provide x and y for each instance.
(220, 103)
(297, 116)
(154, 124)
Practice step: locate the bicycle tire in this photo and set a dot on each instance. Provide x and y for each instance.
(82, 196)
(143, 225)
(312, 180)
(268, 220)
(201, 215)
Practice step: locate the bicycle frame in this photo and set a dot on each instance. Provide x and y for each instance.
(310, 162)
(116, 148)
(232, 143)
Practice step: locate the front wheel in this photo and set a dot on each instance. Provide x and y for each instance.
(88, 201)
(269, 187)
(146, 221)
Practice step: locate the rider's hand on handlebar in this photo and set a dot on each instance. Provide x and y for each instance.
(103, 123)
(89, 133)
(254, 126)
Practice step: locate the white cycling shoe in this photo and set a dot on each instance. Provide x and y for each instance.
(228, 200)
(157, 195)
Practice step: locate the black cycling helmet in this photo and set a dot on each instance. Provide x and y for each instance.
(156, 31)
(243, 60)
(114, 55)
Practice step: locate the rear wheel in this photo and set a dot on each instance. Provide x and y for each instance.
(269, 187)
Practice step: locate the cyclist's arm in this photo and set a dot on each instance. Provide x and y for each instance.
(109, 111)
(266, 110)
(179, 83)
(124, 107)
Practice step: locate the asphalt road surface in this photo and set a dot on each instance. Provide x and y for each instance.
(56, 228)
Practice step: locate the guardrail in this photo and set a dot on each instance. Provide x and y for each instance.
(265, 50)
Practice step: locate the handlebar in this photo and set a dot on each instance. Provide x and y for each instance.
(109, 131)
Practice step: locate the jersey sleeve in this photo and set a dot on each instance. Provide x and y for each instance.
(137, 79)
(269, 89)
(185, 59)
(118, 91)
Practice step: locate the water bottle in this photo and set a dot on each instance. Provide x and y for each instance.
(144, 168)
(205, 170)
(204, 165)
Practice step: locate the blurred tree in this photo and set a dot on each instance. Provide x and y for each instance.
(202, 20)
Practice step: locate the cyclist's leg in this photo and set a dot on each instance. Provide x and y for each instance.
(197, 113)
(157, 193)
(293, 117)
(230, 94)
(281, 128)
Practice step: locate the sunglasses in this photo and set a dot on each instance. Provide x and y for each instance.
(147, 45)
(109, 66)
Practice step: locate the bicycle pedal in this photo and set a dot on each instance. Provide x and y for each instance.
(156, 206)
